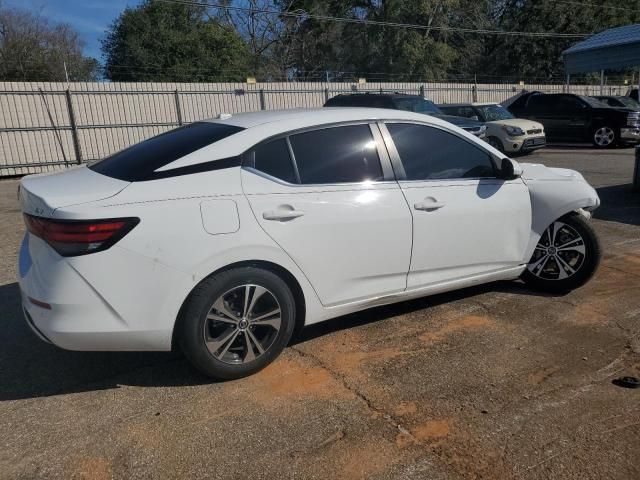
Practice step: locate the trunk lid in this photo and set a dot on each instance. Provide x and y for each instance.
(41, 195)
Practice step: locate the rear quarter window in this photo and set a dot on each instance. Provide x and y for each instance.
(140, 161)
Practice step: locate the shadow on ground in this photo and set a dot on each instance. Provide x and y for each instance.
(619, 203)
(31, 368)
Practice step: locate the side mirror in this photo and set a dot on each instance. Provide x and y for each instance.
(510, 169)
(475, 117)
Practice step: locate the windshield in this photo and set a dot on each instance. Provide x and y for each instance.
(593, 102)
(416, 104)
(494, 112)
(628, 102)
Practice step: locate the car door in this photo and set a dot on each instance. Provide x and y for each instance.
(542, 108)
(572, 117)
(328, 198)
(466, 221)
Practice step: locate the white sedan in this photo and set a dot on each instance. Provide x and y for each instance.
(223, 237)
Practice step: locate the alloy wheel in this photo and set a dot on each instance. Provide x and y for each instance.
(604, 136)
(242, 324)
(559, 254)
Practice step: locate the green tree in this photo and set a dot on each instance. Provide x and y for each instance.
(158, 41)
(31, 49)
(540, 59)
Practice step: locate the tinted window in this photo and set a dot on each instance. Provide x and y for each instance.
(140, 161)
(273, 159)
(429, 153)
(466, 112)
(416, 104)
(371, 101)
(337, 155)
(542, 102)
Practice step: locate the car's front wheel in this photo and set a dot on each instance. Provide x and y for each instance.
(604, 136)
(566, 256)
(237, 322)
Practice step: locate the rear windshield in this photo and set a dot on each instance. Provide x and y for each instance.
(140, 161)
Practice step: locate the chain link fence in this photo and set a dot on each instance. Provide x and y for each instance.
(48, 126)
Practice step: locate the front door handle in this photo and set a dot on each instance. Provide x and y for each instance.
(282, 213)
(429, 205)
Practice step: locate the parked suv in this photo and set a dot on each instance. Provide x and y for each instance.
(504, 131)
(576, 118)
(409, 103)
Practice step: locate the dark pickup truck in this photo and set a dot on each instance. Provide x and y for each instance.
(577, 118)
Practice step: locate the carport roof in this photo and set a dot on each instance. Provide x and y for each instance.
(616, 48)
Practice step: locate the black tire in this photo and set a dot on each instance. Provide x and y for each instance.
(496, 143)
(585, 267)
(599, 132)
(193, 321)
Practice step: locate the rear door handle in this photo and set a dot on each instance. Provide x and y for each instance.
(281, 214)
(428, 206)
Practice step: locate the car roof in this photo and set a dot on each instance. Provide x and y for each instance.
(306, 117)
(378, 94)
(259, 126)
(468, 104)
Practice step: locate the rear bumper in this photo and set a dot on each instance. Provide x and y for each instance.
(62, 307)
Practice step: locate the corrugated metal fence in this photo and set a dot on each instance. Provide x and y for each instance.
(46, 126)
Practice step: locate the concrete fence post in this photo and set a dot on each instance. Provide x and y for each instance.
(74, 127)
(262, 103)
(176, 96)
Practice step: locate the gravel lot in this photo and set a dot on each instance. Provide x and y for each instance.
(490, 382)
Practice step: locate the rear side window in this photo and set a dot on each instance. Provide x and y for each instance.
(429, 153)
(273, 159)
(370, 101)
(140, 161)
(542, 102)
(337, 155)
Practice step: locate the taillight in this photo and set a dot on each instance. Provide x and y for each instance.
(78, 237)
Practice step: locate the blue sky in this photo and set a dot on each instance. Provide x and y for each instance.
(90, 18)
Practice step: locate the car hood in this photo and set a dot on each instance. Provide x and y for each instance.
(517, 122)
(458, 121)
(537, 171)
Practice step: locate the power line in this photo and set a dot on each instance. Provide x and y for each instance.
(305, 15)
(596, 5)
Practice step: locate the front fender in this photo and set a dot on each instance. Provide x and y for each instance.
(551, 200)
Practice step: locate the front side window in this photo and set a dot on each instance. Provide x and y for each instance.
(273, 159)
(142, 160)
(428, 153)
(337, 155)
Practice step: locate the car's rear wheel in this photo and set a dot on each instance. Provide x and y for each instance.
(604, 136)
(237, 322)
(566, 256)
(496, 143)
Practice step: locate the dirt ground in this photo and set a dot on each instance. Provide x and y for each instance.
(491, 382)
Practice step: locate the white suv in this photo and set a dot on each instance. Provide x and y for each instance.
(504, 131)
(224, 236)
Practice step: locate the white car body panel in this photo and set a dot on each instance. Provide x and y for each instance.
(360, 234)
(351, 249)
(494, 213)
